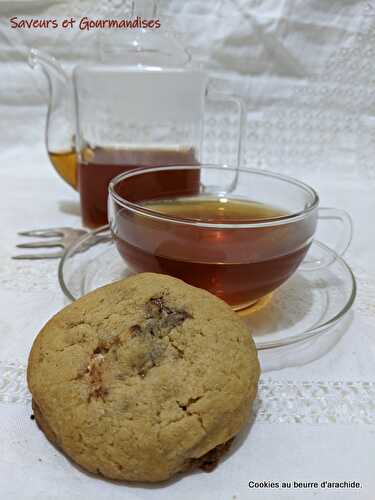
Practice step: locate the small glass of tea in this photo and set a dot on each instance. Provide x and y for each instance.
(238, 233)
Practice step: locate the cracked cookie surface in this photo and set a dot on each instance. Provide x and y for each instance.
(143, 378)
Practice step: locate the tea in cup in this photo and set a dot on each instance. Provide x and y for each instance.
(238, 233)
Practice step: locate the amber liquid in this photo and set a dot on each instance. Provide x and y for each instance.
(98, 166)
(239, 265)
(65, 164)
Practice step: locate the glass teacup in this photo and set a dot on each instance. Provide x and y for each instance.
(238, 233)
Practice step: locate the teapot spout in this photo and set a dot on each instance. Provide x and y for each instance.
(52, 69)
(60, 124)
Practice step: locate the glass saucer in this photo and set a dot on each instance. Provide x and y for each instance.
(308, 304)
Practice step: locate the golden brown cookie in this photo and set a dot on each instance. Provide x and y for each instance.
(143, 378)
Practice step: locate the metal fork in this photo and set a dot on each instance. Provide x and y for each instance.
(63, 237)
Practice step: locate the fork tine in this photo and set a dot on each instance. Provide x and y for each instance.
(42, 233)
(41, 244)
(51, 255)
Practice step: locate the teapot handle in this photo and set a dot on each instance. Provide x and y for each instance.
(215, 95)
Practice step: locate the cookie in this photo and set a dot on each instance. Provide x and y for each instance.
(143, 378)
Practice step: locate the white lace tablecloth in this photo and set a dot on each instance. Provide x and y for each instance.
(305, 70)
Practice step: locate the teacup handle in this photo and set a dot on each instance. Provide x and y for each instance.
(215, 95)
(343, 240)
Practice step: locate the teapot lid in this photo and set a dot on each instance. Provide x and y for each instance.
(143, 46)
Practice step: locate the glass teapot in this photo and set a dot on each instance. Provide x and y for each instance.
(140, 104)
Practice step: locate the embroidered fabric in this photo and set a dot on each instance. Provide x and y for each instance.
(286, 401)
